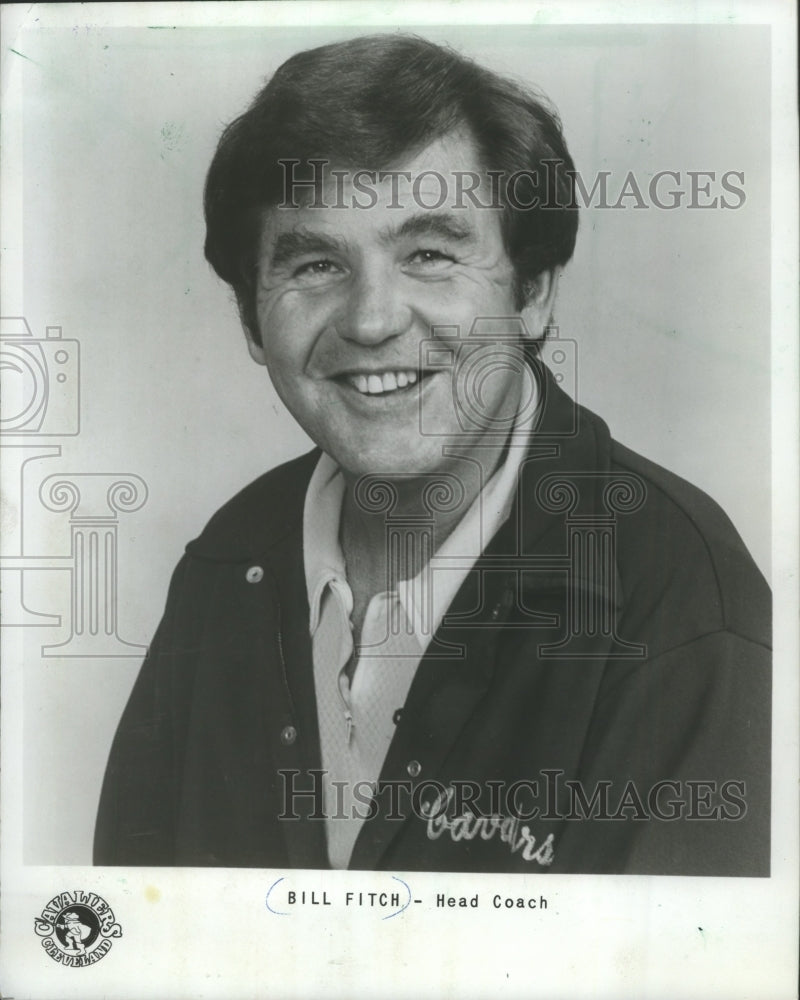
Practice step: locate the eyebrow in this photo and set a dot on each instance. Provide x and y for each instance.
(300, 241)
(442, 224)
(297, 242)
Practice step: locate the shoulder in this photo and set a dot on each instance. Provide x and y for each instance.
(259, 515)
(681, 559)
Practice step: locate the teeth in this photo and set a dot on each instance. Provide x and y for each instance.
(374, 385)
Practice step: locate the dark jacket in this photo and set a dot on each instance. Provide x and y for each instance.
(628, 697)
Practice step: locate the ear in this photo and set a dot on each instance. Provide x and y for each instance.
(256, 350)
(249, 322)
(539, 301)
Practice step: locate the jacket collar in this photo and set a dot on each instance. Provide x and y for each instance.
(566, 468)
(260, 516)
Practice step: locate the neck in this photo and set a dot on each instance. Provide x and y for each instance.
(421, 510)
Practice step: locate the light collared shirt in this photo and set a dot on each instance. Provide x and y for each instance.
(357, 718)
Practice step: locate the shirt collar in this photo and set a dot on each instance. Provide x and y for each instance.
(323, 558)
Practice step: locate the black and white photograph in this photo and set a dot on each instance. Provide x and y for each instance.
(399, 456)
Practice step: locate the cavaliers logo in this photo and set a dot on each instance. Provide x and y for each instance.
(77, 928)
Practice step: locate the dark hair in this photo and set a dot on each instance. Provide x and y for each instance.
(364, 103)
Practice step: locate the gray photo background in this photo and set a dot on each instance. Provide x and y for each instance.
(670, 309)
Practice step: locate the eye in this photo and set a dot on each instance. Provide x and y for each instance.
(315, 269)
(430, 256)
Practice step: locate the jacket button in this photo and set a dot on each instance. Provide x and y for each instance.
(414, 768)
(288, 735)
(254, 575)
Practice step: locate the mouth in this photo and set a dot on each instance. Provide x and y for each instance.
(390, 382)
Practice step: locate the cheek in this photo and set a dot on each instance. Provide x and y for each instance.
(468, 297)
(488, 384)
(290, 326)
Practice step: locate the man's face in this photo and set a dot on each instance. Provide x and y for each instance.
(346, 295)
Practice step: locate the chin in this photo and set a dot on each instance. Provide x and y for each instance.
(399, 460)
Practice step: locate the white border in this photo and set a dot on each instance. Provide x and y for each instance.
(206, 934)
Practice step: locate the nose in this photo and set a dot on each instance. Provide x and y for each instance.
(374, 310)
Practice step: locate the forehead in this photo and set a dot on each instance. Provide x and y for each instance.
(425, 192)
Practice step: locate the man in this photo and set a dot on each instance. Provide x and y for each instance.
(469, 631)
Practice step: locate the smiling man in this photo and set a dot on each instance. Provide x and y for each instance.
(344, 299)
(469, 631)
